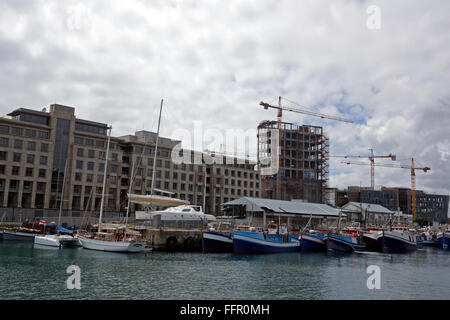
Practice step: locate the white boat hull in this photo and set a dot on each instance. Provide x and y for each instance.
(56, 241)
(113, 246)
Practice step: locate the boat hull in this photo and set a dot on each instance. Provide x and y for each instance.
(443, 240)
(48, 240)
(396, 242)
(312, 242)
(249, 244)
(343, 243)
(113, 246)
(18, 236)
(217, 242)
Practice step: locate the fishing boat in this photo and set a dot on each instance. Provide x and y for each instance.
(399, 239)
(262, 242)
(344, 241)
(370, 239)
(443, 239)
(427, 239)
(217, 241)
(313, 240)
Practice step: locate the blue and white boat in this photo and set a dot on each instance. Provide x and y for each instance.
(443, 239)
(343, 243)
(260, 242)
(313, 241)
(397, 241)
(216, 241)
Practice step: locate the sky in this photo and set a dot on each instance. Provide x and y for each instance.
(383, 64)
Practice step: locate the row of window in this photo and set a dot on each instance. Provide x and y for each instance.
(27, 185)
(17, 157)
(29, 172)
(19, 144)
(20, 132)
(91, 142)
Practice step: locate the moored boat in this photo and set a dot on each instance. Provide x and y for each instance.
(443, 239)
(397, 241)
(261, 242)
(104, 242)
(20, 235)
(312, 241)
(343, 243)
(217, 241)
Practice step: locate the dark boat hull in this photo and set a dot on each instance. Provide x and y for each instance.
(217, 242)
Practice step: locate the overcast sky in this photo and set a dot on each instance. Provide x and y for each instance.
(213, 62)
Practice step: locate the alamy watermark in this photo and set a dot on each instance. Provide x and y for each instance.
(374, 20)
(74, 280)
(374, 280)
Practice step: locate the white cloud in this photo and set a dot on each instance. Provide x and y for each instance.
(216, 60)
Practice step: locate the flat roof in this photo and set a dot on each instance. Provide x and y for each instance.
(286, 207)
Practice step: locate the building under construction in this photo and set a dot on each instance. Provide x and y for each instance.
(303, 161)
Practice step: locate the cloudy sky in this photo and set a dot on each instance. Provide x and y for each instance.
(385, 67)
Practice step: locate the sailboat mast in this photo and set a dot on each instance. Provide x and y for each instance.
(62, 195)
(156, 149)
(104, 180)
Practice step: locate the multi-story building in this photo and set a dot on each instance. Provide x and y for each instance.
(40, 152)
(433, 207)
(303, 161)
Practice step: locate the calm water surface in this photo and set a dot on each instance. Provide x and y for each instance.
(38, 273)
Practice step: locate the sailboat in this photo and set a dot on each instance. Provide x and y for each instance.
(58, 240)
(115, 239)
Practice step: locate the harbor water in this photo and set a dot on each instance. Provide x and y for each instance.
(41, 273)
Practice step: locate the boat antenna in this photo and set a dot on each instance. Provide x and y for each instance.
(156, 152)
(104, 180)
(62, 195)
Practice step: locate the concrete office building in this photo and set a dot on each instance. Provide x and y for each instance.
(39, 150)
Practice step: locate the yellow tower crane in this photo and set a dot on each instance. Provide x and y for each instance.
(372, 158)
(280, 109)
(412, 167)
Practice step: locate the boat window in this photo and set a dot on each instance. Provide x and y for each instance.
(185, 210)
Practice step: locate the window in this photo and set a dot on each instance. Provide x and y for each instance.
(44, 135)
(113, 180)
(16, 157)
(150, 162)
(80, 164)
(90, 166)
(139, 172)
(79, 140)
(114, 156)
(42, 173)
(89, 177)
(30, 158)
(102, 155)
(166, 174)
(138, 182)
(113, 168)
(80, 152)
(100, 143)
(175, 175)
(100, 178)
(4, 129)
(43, 160)
(18, 144)
(15, 171)
(2, 169)
(29, 172)
(78, 176)
(91, 154)
(4, 142)
(17, 131)
(44, 147)
(89, 142)
(31, 146)
(30, 133)
(101, 167)
(3, 155)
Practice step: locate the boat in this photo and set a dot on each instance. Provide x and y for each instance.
(443, 239)
(217, 241)
(370, 239)
(262, 242)
(219, 238)
(313, 241)
(183, 216)
(22, 234)
(118, 239)
(399, 239)
(57, 240)
(342, 242)
(427, 239)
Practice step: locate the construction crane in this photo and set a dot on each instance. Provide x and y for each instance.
(372, 163)
(280, 109)
(412, 167)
